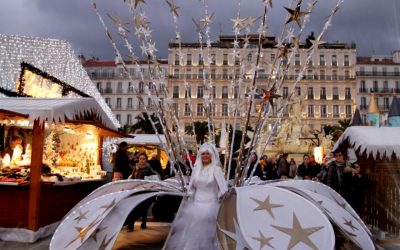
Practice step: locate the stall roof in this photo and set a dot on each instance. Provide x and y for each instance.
(144, 139)
(55, 57)
(55, 110)
(372, 140)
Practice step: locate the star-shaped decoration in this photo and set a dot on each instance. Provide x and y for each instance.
(236, 236)
(141, 22)
(82, 231)
(343, 205)
(316, 43)
(284, 50)
(266, 204)
(109, 206)
(269, 96)
(105, 242)
(135, 3)
(81, 216)
(349, 223)
(172, 7)
(249, 22)
(298, 234)
(207, 19)
(238, 22)
(263, 240)
(94, 234)
(199, 29)
(296, 14)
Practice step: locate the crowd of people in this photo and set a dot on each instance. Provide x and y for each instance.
(335, 171)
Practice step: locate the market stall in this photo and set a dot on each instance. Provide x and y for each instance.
(377, 151)
(55, 161)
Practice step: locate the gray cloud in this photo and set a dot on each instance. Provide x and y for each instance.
(373, 25)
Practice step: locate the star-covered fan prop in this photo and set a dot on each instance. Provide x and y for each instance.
(269, 96)
(296, 14)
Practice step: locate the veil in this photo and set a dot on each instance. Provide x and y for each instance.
(198, 166)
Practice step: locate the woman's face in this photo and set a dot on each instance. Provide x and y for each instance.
(142, 160)
(205, 158)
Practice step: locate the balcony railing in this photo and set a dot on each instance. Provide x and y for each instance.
(363, 106)
(310, 97)
(363, 90)
(108, 91)
(384, 108)
(347, 97)
(120, 91)
(322, 97)
(335, 97)
(384, 90)
(375, 73)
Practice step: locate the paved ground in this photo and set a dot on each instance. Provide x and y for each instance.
(151, 238)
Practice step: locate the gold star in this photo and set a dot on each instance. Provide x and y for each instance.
(198, 26)
(343, 205)
(296, 14)
(98, 230)
(284, 50)
(82, 231)
(298, 234)
(263, 240)
(349, 223)
(269, 96)
(81, 216)
(266, 204)
(109, 206)
(137, 2)
(207, 19)
(172, 7)
(238, 22)
(249, 22)
(105, 242)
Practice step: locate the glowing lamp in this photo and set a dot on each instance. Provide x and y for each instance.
(318, 154)
(6, 160)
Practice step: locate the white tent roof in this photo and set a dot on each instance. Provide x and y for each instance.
(372, 140)
(144, 139)
(52, 56)
(48, 109)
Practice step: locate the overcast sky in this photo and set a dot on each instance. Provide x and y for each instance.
(374, 25)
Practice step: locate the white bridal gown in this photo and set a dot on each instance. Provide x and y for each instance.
(195, 226)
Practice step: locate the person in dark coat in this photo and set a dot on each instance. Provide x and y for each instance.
(122, 167)
(283, 167)
(155, 164)
(304, 171)
(336, 172)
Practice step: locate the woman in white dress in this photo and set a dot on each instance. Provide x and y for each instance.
(195, 225)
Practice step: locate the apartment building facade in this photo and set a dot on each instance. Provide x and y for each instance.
(379, 75)
(121, 91)
(328, 83)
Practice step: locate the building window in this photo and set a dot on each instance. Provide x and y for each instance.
(310, 110)
(310, 93)
(297, 59)
(189, 59)
(322, 60)
(322, 74)
(201, 61)
(200, 92)
(375, 86)
(224, 109)
(335, 111)
(188, 92)
(225, 61)
(249, 57)
(119, 103)
(200, 109)
(131, 71)
(334, 75)
(214, 92)
(363, 88)
(386, 103)
(176, 73)
(118, 117)
(187, 109)
(176, 59)
(129, 119)
(188, 74)
(141, 87)
(363, 103)
(119, 88)
(129, 106)
(213, 109)
(335, 93)
(346, 60)
(236, 92)
(108, 88)
(272, 58)
(175, 92)
(322, 93)
(347, 93)
(384, 71)
(225, 74)
(201, 71)
(99, 88)
(213, 75)
(334, 60)
(347, 75)
(212, 59)
(285, 91)
(224, 91)
(175, 108)
(348, 111)
(385, 87)
(298, 91)
(323, 111)
(108, 101)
